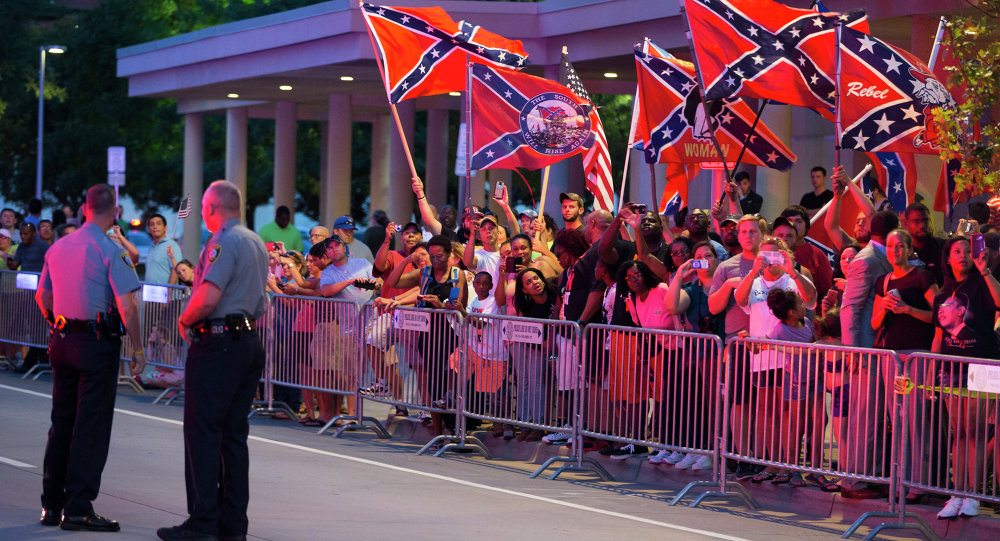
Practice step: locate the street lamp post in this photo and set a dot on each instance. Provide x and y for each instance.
(54, 49)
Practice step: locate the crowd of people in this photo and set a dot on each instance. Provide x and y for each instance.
(893, 283)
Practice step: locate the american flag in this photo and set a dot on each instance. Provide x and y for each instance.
(184, 210)
(597, 159)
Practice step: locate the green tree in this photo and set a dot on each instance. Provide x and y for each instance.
(971, 131)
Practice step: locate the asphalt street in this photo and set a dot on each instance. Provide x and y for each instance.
(306, 486)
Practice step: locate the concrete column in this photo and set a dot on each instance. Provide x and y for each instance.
(236, 150)
(284, 155)
(338, 154)
(194, 179)
(381, 131)
(400, 195)
(436, 175)
(773, 185)
(324, 164)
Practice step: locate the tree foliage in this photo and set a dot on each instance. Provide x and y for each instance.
(971, 131)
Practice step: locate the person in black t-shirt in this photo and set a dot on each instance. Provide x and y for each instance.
(916, 219)
(814, 200)
(903, 299)
(967, 416)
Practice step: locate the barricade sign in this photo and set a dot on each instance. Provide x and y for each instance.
(27, 281)
(523, 331)
(153, 293)
(411, 321)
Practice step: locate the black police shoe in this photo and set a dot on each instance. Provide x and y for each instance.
(90, 523)
(51, 517)
(182, 533)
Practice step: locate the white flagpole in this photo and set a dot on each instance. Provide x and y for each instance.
(937, 43)
(839, 128)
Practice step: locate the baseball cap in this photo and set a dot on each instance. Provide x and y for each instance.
(336, 238)
(570, 195)
(491, 218)
(530, 213)
(4, 233)
(344, 222)
(411, 225)
(781, 221)
(735, 218)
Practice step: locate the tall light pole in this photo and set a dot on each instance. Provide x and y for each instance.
(54, 49)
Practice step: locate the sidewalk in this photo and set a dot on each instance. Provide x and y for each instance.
(807, 507)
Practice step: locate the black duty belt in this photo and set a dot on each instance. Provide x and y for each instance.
(232, 325)
(65, 325)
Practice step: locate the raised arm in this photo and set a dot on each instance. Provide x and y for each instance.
(426, 214)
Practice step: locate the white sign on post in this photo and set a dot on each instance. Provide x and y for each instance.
(984, 378)
(460, 154)
(523, 331)
(26, 281)
(116, 166)
(411, 321)
(157, 294)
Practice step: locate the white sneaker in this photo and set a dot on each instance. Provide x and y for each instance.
(952, 508)
(688, 461)
(659, 457)
(704, 463)
(674, 457)
(558, 438)
(970, 508)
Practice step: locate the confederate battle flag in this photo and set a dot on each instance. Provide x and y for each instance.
(673, 125)
(763, 49)
(519, 120)
(886, 97)
(423, 50)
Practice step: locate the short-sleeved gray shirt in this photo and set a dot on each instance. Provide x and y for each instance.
(737, 266)
(235, 260)
(85, 272)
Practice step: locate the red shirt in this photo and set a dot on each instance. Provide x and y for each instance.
(394, 258)
(815, 260)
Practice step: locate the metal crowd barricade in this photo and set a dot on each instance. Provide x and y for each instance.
(774, 411)
(22, 322)
(313, 344)
(411, 359)
(525, 372)
(949, 405)
(652, 388)
(160, 307)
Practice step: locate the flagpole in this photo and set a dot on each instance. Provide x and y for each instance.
(839, 128)
(753, 128)
(541, 202)
(628, 148)
(937, 43)
(392, 106)
(652, 184)
(468, 130)
(701, 90)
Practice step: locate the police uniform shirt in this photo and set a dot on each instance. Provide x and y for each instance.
(235, 260)
(85, 271)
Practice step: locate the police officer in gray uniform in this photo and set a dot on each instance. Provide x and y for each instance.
(223, 367)
(87, 288)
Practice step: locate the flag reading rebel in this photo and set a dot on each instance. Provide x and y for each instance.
(887, 97)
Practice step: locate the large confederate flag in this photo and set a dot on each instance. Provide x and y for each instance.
(519, 120)
(763, 49)
(423, 50)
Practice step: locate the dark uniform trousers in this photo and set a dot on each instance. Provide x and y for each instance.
(221, 377)
(85, 374)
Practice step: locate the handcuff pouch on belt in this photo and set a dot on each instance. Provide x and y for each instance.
(233, 325)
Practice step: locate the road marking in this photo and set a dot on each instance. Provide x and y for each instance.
(435, 476)
(15, 463)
